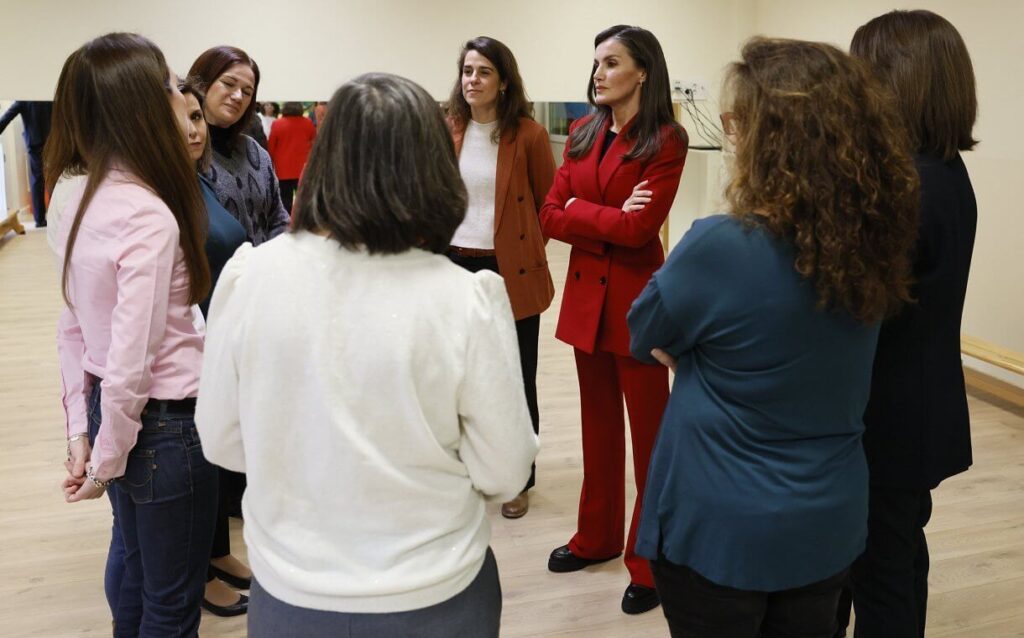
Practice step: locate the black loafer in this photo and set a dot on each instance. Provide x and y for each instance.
(235, 581)
(227, 611)
(562, 560)
(637, 599)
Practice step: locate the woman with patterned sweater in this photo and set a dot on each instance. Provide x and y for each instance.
(241, 173)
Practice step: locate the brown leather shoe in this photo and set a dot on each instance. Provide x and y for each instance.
(517, 507)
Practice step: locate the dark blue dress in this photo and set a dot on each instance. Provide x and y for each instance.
(758, 479)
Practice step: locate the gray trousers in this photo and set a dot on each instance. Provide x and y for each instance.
(473, 613)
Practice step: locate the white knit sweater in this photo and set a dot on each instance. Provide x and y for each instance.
(374, 402)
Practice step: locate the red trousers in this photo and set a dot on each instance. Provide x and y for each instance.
(606, 378)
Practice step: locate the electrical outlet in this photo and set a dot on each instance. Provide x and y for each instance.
(689, 89)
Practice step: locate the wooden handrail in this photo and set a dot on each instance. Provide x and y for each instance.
(991, 353)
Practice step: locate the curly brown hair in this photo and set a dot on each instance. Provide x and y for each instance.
(823, 162)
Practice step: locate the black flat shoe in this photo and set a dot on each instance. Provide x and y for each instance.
(235, 581)
(562, 560)
(637, 599)
(227, 611)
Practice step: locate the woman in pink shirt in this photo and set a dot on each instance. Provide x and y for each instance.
(130, 349)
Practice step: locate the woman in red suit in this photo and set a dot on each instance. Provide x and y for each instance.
(611, 195)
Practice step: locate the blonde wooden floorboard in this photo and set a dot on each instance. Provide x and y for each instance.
(51, 553)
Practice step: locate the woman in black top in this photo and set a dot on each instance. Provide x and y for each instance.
(918, 427)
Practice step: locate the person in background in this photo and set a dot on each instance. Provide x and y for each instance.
(319, 112)
(291, 139)
(756, 500)
(129, 347)
(610, 197)
(918, 426)
(506, 163)
(269, 112)
(412, 409)
(224, 236)
(36, 118)
(242, 173)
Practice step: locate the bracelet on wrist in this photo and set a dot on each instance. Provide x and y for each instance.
(90, 474)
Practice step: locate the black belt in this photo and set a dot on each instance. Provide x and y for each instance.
(170, 406)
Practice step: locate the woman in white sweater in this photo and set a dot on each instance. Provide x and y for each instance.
(378, 401)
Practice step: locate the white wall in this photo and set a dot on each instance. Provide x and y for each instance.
(991, 29)
(15, 193)
(306, 48)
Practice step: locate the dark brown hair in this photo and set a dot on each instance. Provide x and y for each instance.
(213, 63)
(655, 98)
(922, 57)
(194, 86)
(382, 174)
(823, 162)
(292, 109)
(111, 108)
(512, 102)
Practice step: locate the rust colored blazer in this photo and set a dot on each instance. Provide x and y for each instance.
(526, 169)
(614, 253)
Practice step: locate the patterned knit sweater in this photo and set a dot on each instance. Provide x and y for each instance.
(243, 178)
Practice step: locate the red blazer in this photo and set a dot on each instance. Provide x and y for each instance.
(614, 253)
(291, 140)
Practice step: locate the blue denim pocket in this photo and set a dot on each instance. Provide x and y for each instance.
(138, 475)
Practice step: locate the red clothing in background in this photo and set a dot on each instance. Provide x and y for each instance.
(291, 139)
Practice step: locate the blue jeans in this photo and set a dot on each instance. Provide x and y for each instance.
(164, 513)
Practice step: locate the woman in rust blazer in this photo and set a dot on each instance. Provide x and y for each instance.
(506, 163)
(610, 197)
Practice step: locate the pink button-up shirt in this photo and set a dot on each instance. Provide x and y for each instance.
(130, 323)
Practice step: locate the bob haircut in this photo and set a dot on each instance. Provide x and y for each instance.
(922, 57)
(655, 98)
(111, 109)
(512, 102)
(193, 86)
(212, 63)
(823, 163)
(382, 175)
(292, 109)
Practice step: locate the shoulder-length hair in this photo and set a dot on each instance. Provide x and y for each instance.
(922, 57)
(111, 108)
(292, 109)
(512, 101)
(212, 63)
(655, 98)
(382, 175)
(194, 86)
(822, 162)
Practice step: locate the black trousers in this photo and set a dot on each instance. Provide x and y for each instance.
(231, 486)
(37, 184)
(288, 187)
(528, 333)
(889, 582)
(695, 607)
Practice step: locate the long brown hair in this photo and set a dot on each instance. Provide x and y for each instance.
(655, 98)
(512, 102)
(111, 108)
(213, 63)
(922, 57)
(194, 86)
(823, 162)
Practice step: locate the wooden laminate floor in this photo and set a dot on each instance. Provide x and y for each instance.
(52, 553)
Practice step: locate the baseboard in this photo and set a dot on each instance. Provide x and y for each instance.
(987, 384)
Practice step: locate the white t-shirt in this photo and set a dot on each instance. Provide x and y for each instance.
(478, 163)
(374, 402)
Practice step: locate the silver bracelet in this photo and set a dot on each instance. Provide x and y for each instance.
(72, 439)
(95, 481)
